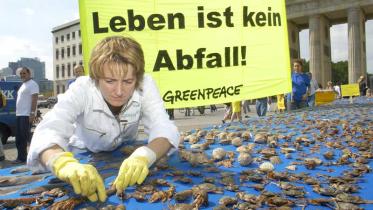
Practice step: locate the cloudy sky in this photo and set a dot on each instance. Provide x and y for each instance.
(338, 35)
(26, 25)
(25, 31)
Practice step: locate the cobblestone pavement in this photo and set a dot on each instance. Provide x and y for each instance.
(183, 123)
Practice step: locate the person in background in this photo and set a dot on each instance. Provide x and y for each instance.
(27, 97)
(281, 103)
(246, 108)
(170, 113)
(362, 85)
(269, 103)
(329, 86)
(337, 89)
(236, 111)
(78, 71)
(2, 100)
(2, 105)
(201, 110)
(369, 93)
(228, 112)
(187, 112)
(106, 108)
(213, 108)
(297, 99)
(261, 106)
(312, 90)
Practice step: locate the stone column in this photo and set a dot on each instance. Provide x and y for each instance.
(356, 44)
(293, 35)
(320, 56)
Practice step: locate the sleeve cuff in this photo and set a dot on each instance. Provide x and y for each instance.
(145, 151)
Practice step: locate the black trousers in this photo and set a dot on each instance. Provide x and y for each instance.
(23, 134)
(170, 113)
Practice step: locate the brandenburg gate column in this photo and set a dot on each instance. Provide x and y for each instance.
(293, 34)
(356, 44)
(320, 55)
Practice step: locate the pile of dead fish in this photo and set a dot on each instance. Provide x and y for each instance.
(317, 158)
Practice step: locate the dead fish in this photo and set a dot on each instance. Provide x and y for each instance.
(21, 169)
(39, 190)
(9, 190)
(11, 203)
(6, 181)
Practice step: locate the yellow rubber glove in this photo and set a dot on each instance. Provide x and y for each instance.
(83, 177)
(135, 168)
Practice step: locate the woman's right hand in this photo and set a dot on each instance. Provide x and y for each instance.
(83, 177)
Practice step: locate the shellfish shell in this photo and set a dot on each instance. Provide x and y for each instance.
(260, 138)
(244, 159)
(291, 167)
(244, 148)
(266, 167)
(218, 153)
(275, 160)
(246, 135)
(237, 141)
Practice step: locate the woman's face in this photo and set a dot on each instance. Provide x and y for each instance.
(297, 67)
(116, 90)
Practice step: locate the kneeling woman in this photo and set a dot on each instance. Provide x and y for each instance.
(98, 113)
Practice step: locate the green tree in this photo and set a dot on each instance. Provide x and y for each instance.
(306, 66)
(340, 72)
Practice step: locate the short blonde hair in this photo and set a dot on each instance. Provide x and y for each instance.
(78, 67)
(361, 78)
(116, 53)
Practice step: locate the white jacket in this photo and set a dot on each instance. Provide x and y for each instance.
(82, 119)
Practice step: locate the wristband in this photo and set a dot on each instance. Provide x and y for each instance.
(145, 151)
(50, 162)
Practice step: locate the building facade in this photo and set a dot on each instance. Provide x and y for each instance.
(67, 53)
(4, 72)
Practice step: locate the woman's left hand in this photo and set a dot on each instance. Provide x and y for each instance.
(133, 170)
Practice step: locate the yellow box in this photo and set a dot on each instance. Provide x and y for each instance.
(324, 97)
(350, 90)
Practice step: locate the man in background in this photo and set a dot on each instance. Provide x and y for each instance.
(78, 71)
(312, 90)
(261, 106)
(2, 105)
(300, 83)
(362, 85)
(25, 112)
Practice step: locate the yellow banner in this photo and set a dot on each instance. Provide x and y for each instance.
(350, 90)
(199, 52)
(324, 97)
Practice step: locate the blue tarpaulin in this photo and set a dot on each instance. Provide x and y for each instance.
(341, 124)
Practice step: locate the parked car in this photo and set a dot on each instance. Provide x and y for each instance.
(47, 103)
(52, 101)
(43, 104)
(8, 113)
